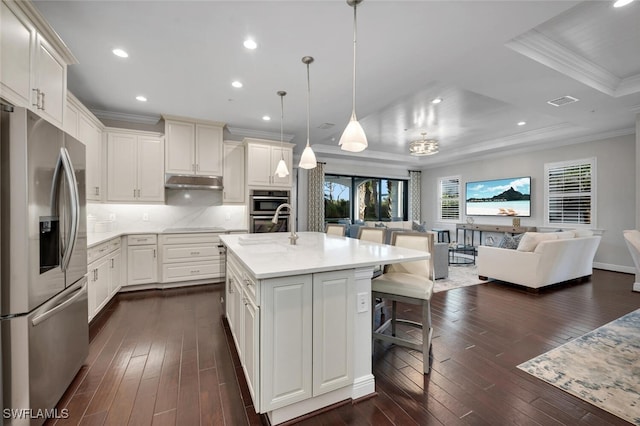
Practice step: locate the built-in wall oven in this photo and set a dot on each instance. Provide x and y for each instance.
(262, 207)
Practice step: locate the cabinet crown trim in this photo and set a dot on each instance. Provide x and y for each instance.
(167, 117)
(249, 141)
(133, 132)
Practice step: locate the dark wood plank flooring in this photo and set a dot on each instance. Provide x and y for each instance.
(165, 358)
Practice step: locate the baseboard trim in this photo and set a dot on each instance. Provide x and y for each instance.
(614, 268)
(636, 287)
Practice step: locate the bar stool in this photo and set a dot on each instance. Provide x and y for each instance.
(336, 229)
(408, 282)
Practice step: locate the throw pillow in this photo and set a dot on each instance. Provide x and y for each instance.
(565, 235)
(583, 233)
(530, 240)
(509, 241)
(418, 227)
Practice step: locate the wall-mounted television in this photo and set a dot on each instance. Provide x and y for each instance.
(499, 197)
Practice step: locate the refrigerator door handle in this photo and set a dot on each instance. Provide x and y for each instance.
(59, 306)
(74, 201)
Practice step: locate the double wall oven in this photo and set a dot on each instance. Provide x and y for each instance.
(262, 207)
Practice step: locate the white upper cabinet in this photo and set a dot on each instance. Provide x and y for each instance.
(33, 62)
(135, 166)
(262, 159)
(193, 147)
(233, 173)
(17, 37)
(80, 123)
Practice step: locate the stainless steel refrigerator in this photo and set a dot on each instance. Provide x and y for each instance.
(43, 267)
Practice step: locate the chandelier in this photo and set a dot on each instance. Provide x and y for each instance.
(423, 146)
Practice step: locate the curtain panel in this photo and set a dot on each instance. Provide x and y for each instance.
(415, 189)
(315, 213)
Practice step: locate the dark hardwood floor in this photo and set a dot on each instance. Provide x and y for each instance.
(164, 358)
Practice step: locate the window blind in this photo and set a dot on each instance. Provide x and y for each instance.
(570, 194)
(449, 198)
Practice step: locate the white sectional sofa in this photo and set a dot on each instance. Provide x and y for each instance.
(541, 260)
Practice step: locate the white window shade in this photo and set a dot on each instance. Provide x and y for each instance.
(449, 198)
(570, 192)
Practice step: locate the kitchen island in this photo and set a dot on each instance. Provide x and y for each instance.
(300, 317)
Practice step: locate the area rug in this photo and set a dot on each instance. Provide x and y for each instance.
(459, 276)
(602, 367)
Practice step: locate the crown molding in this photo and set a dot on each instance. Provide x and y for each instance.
(123, 116)
(259, 134)
(541, 48)
(546, 51)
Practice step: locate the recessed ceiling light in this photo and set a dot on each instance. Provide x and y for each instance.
(236, 84)
(436, 101)
(521, 123)
(250, 44)
(120, 53)
(141, 98)
(266, 118)
(620, 3)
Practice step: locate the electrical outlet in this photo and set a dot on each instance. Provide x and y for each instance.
(145, 216)
(112, 216)
(363, 302)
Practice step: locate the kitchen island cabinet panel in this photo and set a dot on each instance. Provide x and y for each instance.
(286, 341)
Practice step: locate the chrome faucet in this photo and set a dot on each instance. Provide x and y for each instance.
(292, 223)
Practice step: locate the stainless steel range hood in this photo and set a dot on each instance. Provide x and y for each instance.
(174, 181)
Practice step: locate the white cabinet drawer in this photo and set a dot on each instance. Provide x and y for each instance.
(247, 281)
(142, 239)
(189, 253)
(192, 271)
(192, 238)
(102, 249)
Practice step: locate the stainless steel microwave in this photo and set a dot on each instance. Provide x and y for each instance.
(265, 202)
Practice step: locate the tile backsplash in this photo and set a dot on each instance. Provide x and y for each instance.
(183, 209)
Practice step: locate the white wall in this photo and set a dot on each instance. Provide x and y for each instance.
(615, 190)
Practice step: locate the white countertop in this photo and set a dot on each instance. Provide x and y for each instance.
(95, 238)
(271, 255)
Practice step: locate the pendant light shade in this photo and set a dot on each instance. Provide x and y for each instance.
(353, 138)
(308, 158)
(281, 169)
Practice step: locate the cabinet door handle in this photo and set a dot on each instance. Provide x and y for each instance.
(194, 253)
(37, 103)
(154, 253)
(97, 274)
(42, 107)
(195, 271)
(97, 190)
(112, 264)
(134, 193)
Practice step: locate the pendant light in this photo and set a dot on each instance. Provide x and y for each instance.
(308, 158)
(281, 170)
(353, 138)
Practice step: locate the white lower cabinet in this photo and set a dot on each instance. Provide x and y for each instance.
(294, 335)
(142, 259)
(104, 270)
(193, 256)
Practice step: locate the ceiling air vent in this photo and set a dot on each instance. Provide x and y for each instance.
(325, 126)
(562, 101)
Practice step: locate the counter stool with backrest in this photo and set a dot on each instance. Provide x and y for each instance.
(375, 235)
(408, 282)
(336, 229)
